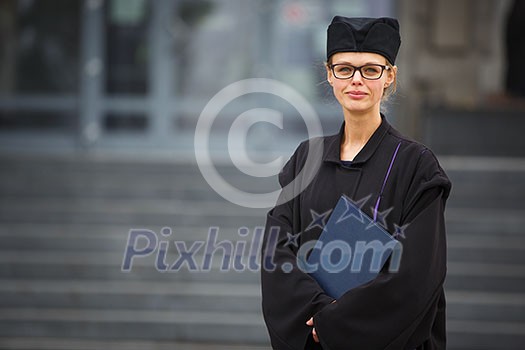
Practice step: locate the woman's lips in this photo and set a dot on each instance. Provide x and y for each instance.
(356, 94)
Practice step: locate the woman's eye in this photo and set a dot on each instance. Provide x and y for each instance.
(371, 70)
(344, 69)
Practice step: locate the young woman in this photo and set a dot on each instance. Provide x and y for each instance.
(395, 180)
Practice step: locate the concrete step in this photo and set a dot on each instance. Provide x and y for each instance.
(61, 271)
(497, 131)
(482, 335)
(107, 232)
(503, 223)
(161, 325)
(483, 283)
(486, 255)
(138, 219)
(136, 295)
(117, 242)
(485, 306)
(95, 186)
(215, 303)
(49, 343)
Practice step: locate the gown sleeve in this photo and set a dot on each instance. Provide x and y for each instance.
(396, 310)
(289, 298)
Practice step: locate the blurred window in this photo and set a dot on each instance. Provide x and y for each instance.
(41, 121)
(39, 46)
(214, 42)
(127, 48)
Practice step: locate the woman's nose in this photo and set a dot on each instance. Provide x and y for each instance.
(357, 78)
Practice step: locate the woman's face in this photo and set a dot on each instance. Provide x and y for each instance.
(357, 94)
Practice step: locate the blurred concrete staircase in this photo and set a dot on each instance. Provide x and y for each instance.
(486, 256)
(64, 224)
(63, 232)
(486, 222)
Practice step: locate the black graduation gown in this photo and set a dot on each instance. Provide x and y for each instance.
(402, 310)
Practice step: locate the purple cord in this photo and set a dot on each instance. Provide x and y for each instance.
(384, 181)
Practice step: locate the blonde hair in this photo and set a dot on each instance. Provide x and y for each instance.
(390, 89)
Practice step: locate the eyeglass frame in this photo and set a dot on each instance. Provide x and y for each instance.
(383, 68)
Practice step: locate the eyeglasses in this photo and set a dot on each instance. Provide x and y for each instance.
(368, 71)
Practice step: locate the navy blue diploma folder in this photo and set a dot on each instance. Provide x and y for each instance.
(351, 250)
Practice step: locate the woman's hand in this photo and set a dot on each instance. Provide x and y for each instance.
(310, 323)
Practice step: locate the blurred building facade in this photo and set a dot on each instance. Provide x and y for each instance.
(105, 75)
(136, 74)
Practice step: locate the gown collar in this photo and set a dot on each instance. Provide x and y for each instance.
(332, 147)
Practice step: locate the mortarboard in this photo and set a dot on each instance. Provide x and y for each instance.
(377, 35)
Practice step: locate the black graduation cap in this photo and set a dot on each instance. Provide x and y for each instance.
(377, 35)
